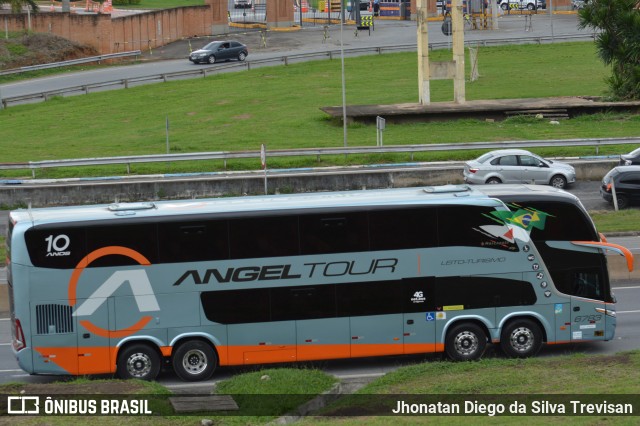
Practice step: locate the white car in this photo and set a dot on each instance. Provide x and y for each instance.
(242, 4)
(522, 4)
(518, 166)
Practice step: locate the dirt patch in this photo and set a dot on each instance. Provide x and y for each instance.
(242, 117)
(611, 360)
(35, 49)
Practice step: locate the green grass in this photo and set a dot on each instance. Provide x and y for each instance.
(280, 106)
(620, 221)
(261, 395)
(503, 380)
(514, 379)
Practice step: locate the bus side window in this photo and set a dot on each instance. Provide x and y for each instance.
(236, 306)
(403, 229)
(372, 298)
(46, 246)
(328, 233)
(462, 226)
(299, 303)
(587, 284)
(193, 241)
(263, 237)
(142, 238)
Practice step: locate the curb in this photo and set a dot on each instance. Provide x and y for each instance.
(337, 391)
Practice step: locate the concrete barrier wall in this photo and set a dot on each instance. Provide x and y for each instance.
(142, 31)
(222, 184)
(618, 270)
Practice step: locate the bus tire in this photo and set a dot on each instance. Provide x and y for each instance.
(465, 342)
(138, 361)
(521, 338)
(194, 360)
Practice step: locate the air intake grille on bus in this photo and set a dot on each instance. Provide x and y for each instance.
(54, 319)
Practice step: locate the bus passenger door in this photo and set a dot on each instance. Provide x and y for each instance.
(588, 319)
(419, 315)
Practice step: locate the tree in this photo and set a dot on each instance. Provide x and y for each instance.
(618, 42)
(17, 5)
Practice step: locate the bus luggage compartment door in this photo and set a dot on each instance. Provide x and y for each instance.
(94, 334)
(376, 335)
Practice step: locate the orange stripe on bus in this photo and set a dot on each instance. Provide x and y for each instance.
(264, 354)
(102, 359)
(95, 358)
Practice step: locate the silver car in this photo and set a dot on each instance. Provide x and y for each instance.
(518, 166)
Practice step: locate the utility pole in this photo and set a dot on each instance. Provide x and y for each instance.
(424, 94)
(458, 52)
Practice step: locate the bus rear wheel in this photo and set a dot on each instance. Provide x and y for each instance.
(138, 361)
(521, 339)
(194, 360)
(465, 342)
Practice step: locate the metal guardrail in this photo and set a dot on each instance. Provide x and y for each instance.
(285, 60)
(72, 62)
(228, 155)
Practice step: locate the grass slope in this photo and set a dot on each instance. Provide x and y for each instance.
(279, 106)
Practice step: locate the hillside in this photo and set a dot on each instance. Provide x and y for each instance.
(21, 50)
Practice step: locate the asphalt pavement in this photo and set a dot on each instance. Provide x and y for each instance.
(319, 37)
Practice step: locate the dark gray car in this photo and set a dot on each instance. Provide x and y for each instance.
(625, 181)
(630, 159)
(217, 51)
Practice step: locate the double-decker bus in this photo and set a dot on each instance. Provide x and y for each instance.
(127, 288)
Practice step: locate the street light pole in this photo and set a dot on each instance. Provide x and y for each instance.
(344, 90)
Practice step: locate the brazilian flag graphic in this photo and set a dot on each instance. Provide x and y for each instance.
(523, 217)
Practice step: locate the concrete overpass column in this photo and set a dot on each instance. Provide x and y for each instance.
(219, 18)
(279, 13)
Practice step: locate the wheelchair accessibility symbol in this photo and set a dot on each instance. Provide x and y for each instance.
(431, 316)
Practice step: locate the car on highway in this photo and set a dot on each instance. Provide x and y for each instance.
(522, 5)
(518, 166)
(217, 51)
(630, 159)
(577, 4)
(625, 181)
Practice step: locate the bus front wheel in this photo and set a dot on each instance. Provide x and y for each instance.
(465, 342)
(521, 339)
(138, 361)
(194, 360)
